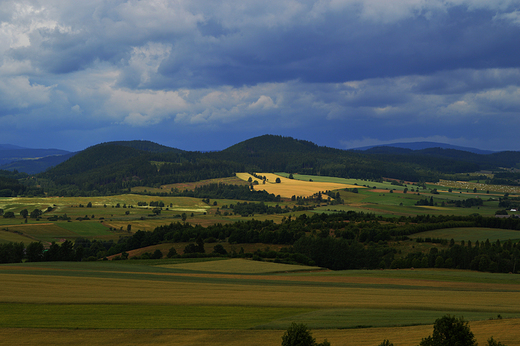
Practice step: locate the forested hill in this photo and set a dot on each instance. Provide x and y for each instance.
(483, 161)
(116, 166)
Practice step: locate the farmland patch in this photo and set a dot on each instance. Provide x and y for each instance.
(240, 266)
(291, 187)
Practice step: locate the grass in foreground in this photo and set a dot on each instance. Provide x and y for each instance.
(506, 331)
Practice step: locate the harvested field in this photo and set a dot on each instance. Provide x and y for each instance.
(292, 187)
(205, 304)
(505, 331)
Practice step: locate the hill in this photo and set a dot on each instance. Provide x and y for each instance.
(9, 154)
(422, 145)
(114, 167)
(37, 165)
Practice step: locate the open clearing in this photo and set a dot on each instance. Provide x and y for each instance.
(210, 304)
(292, 187)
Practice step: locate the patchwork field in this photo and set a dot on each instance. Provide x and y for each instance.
(239, 302)
(292, 187)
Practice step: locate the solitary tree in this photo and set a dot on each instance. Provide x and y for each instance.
(298, 335)
(36, 213)
(24, 213)
(278, 180)
(450, 331)
(171, 253)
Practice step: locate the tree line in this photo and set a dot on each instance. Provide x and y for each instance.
(345, 240)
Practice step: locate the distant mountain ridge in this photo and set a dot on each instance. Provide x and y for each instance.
(9, 154)
(122, 164)
(10, 147)
(25, 163)
(424, 145)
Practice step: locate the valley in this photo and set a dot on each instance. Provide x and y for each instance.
(147, 245)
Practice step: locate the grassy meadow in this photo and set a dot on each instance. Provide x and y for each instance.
(246, 299)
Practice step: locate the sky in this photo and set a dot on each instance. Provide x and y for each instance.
(204, 75)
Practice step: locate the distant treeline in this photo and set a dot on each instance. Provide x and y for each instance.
(227, 191)
(247, 209)
(346, 240)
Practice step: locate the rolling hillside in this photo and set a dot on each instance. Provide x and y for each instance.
(115, 167)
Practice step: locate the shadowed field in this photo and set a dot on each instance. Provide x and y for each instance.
(241, 302)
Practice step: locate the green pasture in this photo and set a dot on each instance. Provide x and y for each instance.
(8, 237)
(136, 316)
(117, 316)
(85, 228)
(47, 232)
(240, 266)
(359, 182)
(471, 233)
(433, 275)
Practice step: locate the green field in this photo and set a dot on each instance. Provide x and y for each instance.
(239, 266)
(107, 316)
(85, 229)
(188, 295)
(472, 233)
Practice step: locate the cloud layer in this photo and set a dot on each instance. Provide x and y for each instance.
(204, 75)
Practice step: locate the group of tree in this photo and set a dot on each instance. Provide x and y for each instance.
(346, 240)
(246, 209)
(447, 331)
(11, 185)
(228, 191)
(467, 203)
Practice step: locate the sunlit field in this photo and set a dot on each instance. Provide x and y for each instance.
(292, 187)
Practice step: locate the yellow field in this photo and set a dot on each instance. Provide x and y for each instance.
(505, 331)
(292, 187)
(179, 203)
(465, 185)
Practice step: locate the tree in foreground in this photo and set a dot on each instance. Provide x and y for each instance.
(450, 331)
(493, 342)
(386, 343)
(299, 335)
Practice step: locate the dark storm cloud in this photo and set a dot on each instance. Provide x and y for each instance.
(351, 69)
